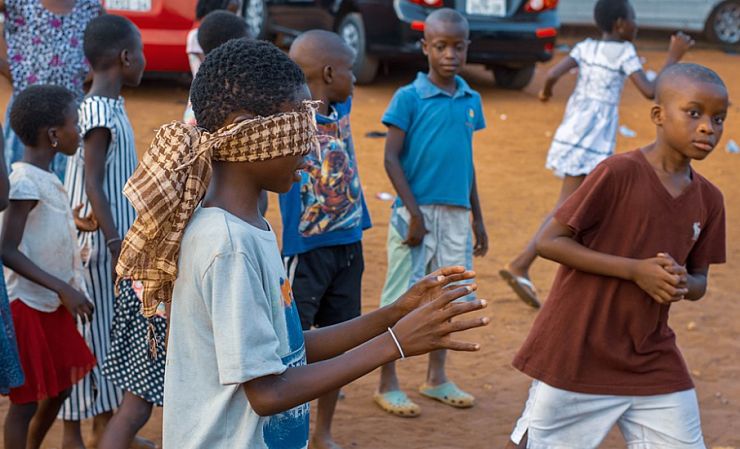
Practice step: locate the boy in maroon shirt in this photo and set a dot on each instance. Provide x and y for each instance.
(637, 236)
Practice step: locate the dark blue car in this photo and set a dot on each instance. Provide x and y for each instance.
(507, 36)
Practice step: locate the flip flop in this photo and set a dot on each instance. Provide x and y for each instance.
(397, 403)
(522, 286)
(448, 393)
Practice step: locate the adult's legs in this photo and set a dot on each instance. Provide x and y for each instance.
(121, 430)
(44, 418)
(16, 424)
(519, 266)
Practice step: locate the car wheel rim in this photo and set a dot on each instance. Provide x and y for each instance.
(727, 23)
(253, 16)
(351, 36)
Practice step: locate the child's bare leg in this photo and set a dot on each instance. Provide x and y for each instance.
(44, 418)
(436, 374)
(72, 435)
(16, 424)
(321, 438)
(121, 430)
(519, 266)
(388, 378)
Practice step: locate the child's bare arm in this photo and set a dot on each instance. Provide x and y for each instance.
(479, 227)
(14, 223)
(4, 183)
(680, 44)
(327, 342)
(96, 152)
(554, 74)
(556, 243)
(425, 329)
(393, 147)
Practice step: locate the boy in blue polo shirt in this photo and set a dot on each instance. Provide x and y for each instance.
(429, 159)
(325, 213)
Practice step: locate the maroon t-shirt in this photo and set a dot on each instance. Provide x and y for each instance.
(603, 335)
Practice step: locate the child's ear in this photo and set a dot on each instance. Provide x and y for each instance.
(125, 58)
(52, 135)
(656, 114)
(424, 47)
(328, 74)
(618, 26)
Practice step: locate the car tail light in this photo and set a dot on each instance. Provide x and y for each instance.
(545, 32)
(417, 25)
(429, 3)
(540, 5)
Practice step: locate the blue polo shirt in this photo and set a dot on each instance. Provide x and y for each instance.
(437, 154)
(327, 207)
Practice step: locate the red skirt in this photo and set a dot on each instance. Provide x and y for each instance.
(53, 354)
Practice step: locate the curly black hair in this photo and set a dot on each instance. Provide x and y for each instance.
(204, 7)
(38, 107)
(243, 75)
(220, 27)
(607, 12)
(105, 37)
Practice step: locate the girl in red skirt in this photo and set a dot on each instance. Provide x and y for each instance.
(43, 266)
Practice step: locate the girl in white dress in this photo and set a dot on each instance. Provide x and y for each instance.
(587, 134)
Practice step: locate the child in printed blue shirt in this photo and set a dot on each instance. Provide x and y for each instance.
(325, 214)
(429, 159)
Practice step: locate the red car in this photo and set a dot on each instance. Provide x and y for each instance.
(164, 26)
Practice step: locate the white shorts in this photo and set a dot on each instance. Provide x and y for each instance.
(560, 419)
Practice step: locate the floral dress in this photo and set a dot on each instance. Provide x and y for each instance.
(45, 48)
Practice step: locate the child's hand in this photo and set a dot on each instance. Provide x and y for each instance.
(417, 231)
(653, 277)
(77, 303)
(674, 268)
(545, 94)
(680, 44)
(481, 238)
(431, 287)
(428, 328)
(84, 224)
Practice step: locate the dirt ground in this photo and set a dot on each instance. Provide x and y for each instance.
(516, 192)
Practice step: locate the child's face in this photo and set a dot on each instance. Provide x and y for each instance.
(68, 136)
(135, 62)
(233, 6)
(627, 27)
(446, 46)
(278, 175)
(691, 117)
(342, 79)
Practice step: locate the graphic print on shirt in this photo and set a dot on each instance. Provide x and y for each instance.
(330, 188)
(289, 430)
(697, 231)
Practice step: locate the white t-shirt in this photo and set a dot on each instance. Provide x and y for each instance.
(233, 319)
(194, 51)
(49, 237)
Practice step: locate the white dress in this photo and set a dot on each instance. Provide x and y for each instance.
(587, 134)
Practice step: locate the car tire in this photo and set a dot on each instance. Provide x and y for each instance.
(723, 24)
(514, 78)
(352, 29)
(255, 14)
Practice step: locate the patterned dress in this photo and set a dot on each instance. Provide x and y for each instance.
(95, 394)
(587, 134)
(45, 48)
(11, 374)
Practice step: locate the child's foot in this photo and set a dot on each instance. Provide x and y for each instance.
(323, 442)
(448, 393)
(397, 403)
(521, 285)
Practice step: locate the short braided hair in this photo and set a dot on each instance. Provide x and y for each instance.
(243, 75)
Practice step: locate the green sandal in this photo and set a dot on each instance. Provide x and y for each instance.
(397, 403)
(448, 393)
